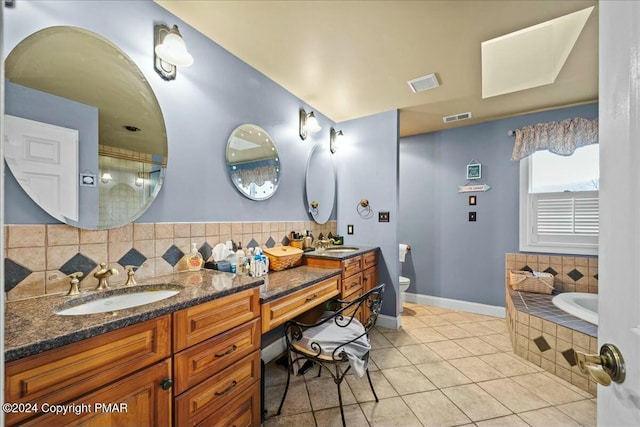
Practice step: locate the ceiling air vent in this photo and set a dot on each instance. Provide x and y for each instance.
(424, 83)
(457, 117)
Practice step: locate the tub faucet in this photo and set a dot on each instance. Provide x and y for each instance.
(102, 275)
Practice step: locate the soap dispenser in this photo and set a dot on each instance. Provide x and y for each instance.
(194, 260)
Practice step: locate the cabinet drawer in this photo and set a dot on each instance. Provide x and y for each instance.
(199, 402)
(201, 322)
(61, 374)
(351, 284)
(277, 312)
(209, 357)
(351, 266)
(243, 411)
(369, 259)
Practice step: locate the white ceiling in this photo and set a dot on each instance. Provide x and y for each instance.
(350, 59)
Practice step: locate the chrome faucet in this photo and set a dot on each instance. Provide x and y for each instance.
(102, 275)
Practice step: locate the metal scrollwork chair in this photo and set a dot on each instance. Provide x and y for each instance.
(338, 341)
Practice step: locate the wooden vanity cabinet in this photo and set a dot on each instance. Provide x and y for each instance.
(89, 370)
(217, 361)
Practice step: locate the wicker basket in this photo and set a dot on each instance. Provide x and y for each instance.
(283, 257)
(527, 281)
(296, 243)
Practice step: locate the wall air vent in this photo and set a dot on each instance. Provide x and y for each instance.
(457, 117)
(423, 83)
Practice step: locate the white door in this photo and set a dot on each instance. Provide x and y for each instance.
(44, 160)
(619, 245)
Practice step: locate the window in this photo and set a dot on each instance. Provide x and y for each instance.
(559, 202)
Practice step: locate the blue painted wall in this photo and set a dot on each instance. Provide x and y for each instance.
(451, 257)
(367, 168)
(201, 108)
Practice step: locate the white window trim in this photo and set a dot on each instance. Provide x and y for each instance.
(528, 242)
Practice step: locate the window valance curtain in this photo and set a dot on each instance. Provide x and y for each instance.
(558, 137)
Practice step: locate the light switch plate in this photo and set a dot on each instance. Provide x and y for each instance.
(472, 217)
(350, 229)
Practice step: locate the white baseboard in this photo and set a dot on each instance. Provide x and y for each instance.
(389, 322)
(453, 304)
(273, 350)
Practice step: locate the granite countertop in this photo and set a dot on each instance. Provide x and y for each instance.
(31, 326)
(341, 255)
(280, 283)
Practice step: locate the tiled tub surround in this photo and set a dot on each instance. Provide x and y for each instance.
(37, 257)
(544, 334)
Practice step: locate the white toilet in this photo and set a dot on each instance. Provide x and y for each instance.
(404, 285)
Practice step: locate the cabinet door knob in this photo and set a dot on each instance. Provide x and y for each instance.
(166, 383)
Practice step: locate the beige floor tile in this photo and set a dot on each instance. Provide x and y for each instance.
(331, 417)
(323, 394)
(443, 374)
(407, 379)
(448, 350)
(476, 329)
(568, 385)
(509, 364)
(296, 402)
(362, 390)
(400, 337)
(548, 389)
(513, 395)
(432, 320)
(433, 408)
(498, 325)
(509, 421)
(388, 358)
(391, 412)
(476, 346)
(501, 341)
(476, 403)
(583, 411)
(452, 331)
(426, 334)
(277, 374)
(419, 353)
(378, 340)
(548, 417)
(455, 317)
(416, 310)
(439, 310)
(305, 419)
(475, 369)
(411, 322)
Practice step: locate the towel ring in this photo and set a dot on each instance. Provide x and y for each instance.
(364, 209)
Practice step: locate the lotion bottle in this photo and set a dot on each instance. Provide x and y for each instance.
(194, 260)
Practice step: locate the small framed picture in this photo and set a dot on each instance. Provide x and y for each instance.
(472, 200)
(474, 171)
(87, 180)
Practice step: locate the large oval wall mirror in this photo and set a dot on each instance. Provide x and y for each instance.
(84, 134)
(252, 162)
(320, 184)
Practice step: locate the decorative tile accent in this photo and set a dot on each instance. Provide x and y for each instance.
(14, 273)
(173, 255)
(133, 257)
(206, 251)
(78, 262)
(329, 236)
(551, 271)
(575, 275)
(570, 356)
(285, 241)
(526, 268)
(541, 343)
(320, 236)
(595, 276)
(270, 243)
(252, 244)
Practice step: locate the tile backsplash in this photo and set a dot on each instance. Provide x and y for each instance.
(571, 273)
(38, 257)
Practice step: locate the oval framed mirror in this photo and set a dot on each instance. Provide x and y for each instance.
(320, 184)
(85, 135)
(253, 163)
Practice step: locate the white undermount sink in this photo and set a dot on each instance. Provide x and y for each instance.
(118, 299)
(341, 249)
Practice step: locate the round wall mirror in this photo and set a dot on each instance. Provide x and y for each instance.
(84, 134)
(320, 184)
(252, 162)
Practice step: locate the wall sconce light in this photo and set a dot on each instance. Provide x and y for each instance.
(335, 140)
(308, 123)
(170, 51)
(106, 177)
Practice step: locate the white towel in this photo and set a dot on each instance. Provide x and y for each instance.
(403, 251)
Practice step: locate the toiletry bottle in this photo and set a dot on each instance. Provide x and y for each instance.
(194, 260)
(240, 260)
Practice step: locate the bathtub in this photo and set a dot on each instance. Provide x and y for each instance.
(579, 304)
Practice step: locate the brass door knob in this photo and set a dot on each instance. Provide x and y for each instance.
(603, 368)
